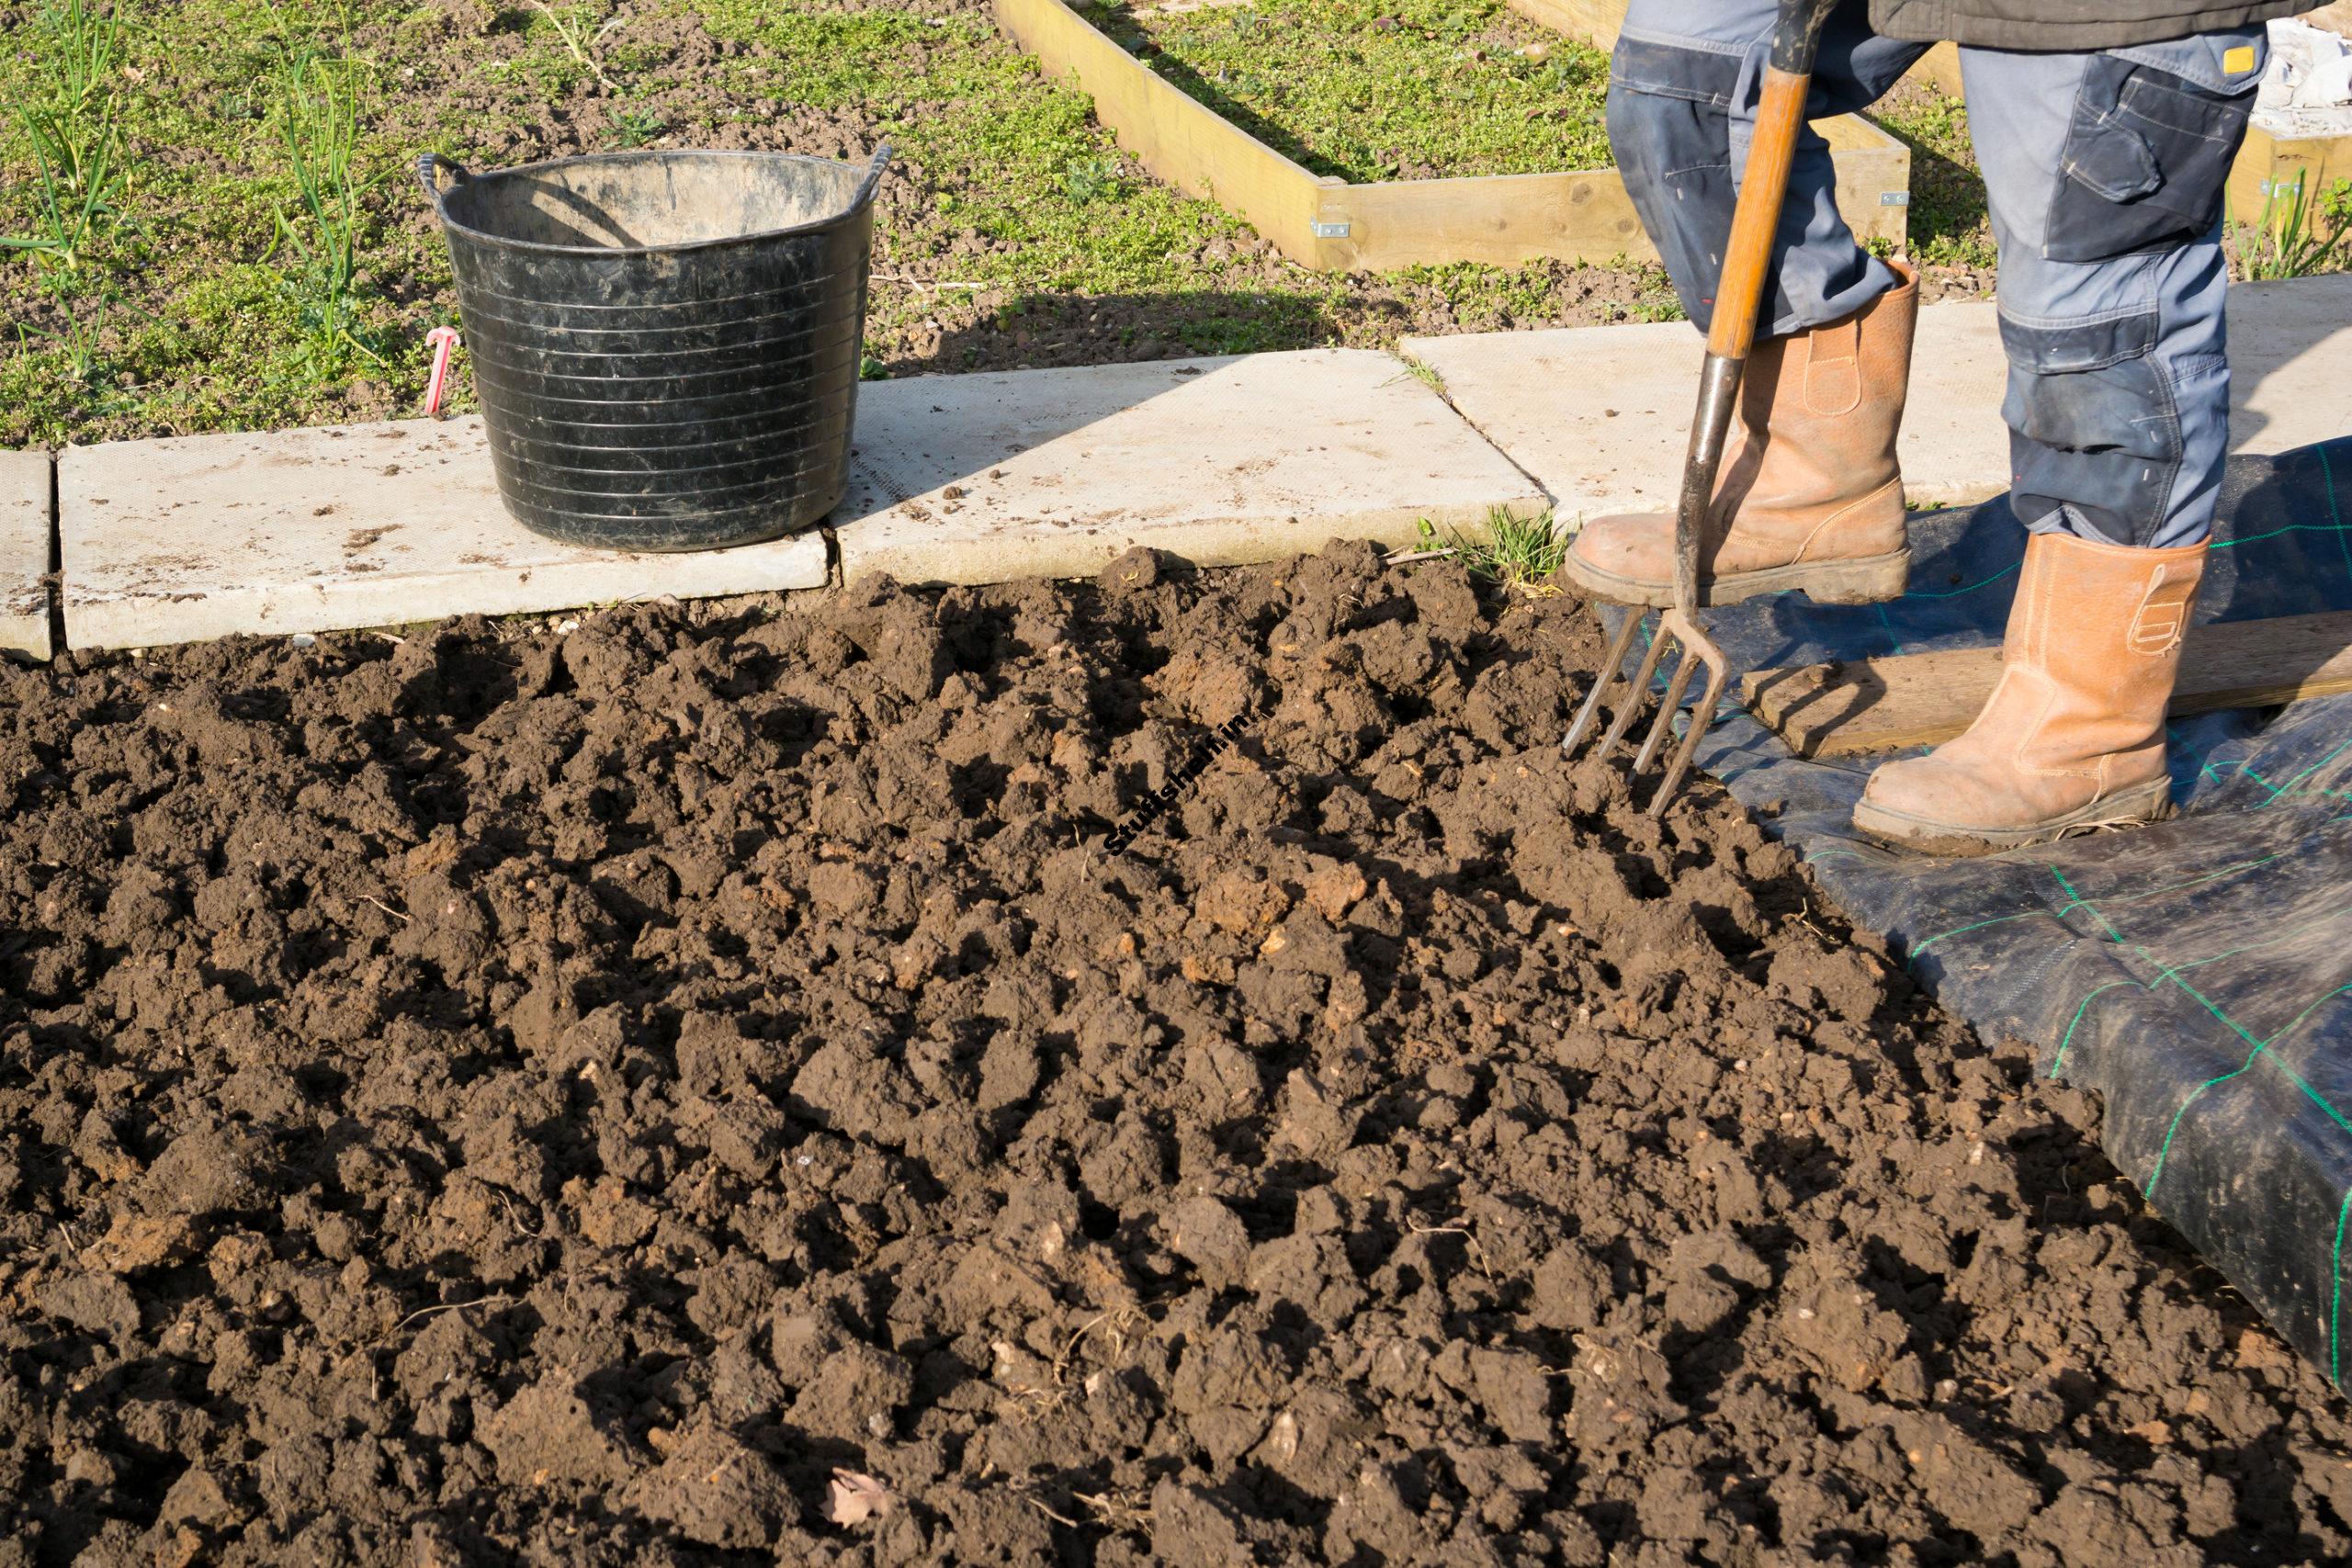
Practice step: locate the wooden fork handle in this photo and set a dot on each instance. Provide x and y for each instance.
(1739, 292)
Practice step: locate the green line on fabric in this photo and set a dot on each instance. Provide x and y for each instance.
(2282, 789)
(2276, 790)
(2294, 1076)
(2059, 1060)
(2062, 911)
(2173, 973)
(1893, 636)
(2280, 792)
(2078, 898)
(1978, 926)
(2204, 770)
(2165, 1152)
(2335, 528)
(2335, 1302)
(1965, 588)
(2292, 931)
(2327, 472)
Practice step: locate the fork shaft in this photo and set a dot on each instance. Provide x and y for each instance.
(1731, 333)
(1710, 433)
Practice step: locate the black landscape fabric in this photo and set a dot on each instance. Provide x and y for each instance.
(2198, 973)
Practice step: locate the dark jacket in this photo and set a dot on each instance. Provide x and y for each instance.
(2068, 24)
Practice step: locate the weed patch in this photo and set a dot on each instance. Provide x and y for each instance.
(317, 125)
(1518, 553)
(2299, 232)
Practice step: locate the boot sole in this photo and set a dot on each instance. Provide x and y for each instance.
(1872, 580)
(2140, 803)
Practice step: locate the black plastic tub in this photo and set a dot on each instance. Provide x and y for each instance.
(666, 345)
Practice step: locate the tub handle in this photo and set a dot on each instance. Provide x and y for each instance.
(880, 161)
(429, 165)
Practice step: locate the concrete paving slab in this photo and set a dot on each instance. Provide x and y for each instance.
(358, 526)
(1054, 473)
(24, 555)
(1602, 414)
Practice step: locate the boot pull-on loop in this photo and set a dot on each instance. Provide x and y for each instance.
(2162, 619)
(1832, 366)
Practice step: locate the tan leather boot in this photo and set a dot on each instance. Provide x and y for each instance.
(1809, 497)
(2073, 737)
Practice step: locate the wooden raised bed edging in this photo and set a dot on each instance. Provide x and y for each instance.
(2270, 166)
(1333, 226)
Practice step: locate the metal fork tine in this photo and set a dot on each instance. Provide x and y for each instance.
(1663, 725)
(1631, 708)
(1703, 716)
(1613, 669)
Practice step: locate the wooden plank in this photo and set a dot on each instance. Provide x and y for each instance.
(1873, 178)
(1596, 22)
(1181, 140)
(1921, 699)
(1331, 225)
(1940, 68)
(1509, 220)
(1501, 220)
(2270, 165)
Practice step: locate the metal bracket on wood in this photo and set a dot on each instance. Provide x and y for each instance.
(1330, 231)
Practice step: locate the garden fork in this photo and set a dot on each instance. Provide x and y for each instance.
(1739, 294)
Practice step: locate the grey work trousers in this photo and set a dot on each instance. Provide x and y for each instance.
(2105, 171)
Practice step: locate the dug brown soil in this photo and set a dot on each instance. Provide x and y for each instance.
(504, 1095)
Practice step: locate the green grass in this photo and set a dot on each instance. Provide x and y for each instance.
(1951, 223)
(203, 306)
(264, 260)
(1023, 169)
(1384, 89)
(1521, 553)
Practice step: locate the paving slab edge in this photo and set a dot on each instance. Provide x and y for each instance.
(100, 621)
(29, 612)
(99, 625)
(28, 619)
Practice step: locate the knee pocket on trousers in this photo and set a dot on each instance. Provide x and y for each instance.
(1669, 111)
(2146, 158)
(1669, 129)
(2094, 425)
